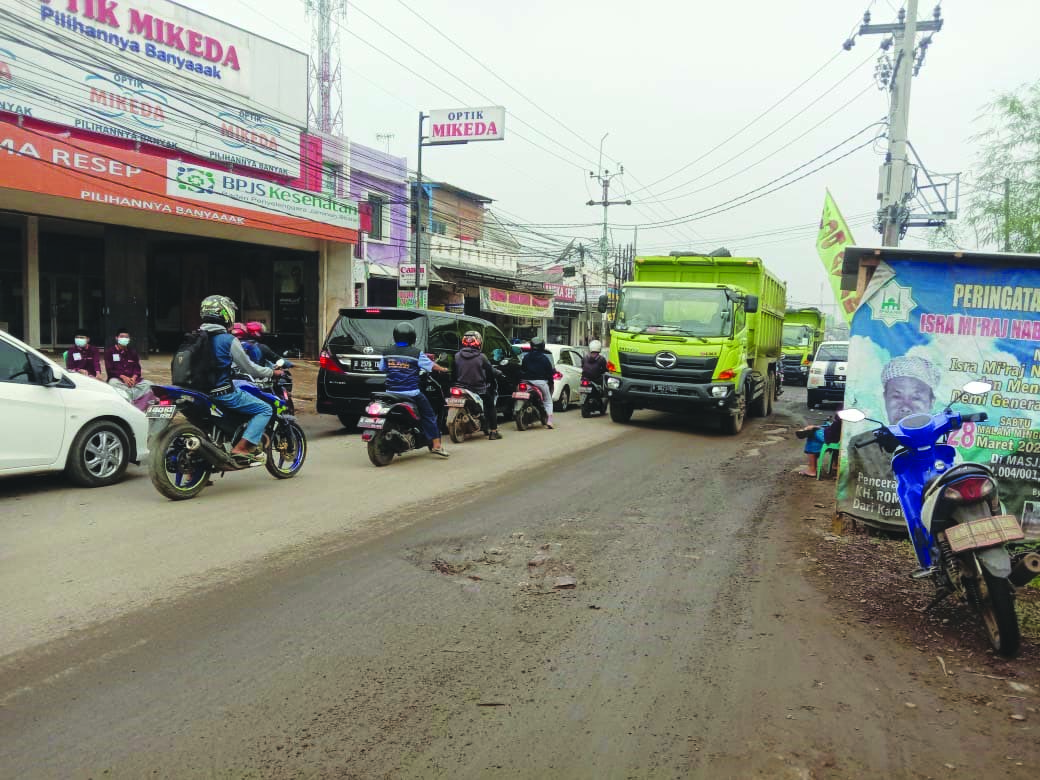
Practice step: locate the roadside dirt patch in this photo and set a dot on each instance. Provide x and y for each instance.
(865, 574)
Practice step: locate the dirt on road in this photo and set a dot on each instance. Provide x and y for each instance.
(659, 607)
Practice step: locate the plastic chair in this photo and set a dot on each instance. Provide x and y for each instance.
(822, 459)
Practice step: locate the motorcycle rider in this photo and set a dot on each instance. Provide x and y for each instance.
(474, 371)
(594, 365)
(218, 316)
(256, 331)
(402, 377)
(538, 369)
(238, 330)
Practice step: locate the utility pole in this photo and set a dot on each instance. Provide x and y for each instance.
(897, 175)
(585, 291)
(604, 177)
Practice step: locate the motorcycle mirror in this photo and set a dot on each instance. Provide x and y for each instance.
(977, 387)
(851, 415)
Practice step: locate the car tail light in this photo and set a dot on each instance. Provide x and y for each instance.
(456, 391)
(729, 373)
(611, 367)
(557, 376)
(371, 311)
(970, 489)
(329, 363)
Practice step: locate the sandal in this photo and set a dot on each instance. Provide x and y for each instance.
(247, 459)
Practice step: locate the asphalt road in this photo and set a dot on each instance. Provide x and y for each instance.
(635, 611)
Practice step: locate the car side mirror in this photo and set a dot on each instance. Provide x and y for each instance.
(751, 304)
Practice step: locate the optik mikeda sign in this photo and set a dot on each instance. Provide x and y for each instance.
(922, 332)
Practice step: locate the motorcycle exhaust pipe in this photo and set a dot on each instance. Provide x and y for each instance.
(211, 453)
(1025, 570)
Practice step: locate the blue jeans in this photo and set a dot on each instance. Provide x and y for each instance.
(428, 417)
(243, 403)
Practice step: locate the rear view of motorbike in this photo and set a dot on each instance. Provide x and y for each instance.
(465, 414)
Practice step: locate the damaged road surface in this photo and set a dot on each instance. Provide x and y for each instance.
(639, 610)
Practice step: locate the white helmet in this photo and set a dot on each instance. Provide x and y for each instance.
(595, 346)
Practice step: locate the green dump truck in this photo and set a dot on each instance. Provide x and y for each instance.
(803, 333)
(696, 335)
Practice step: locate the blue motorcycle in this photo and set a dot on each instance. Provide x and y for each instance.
(185, 453)
(953, 515)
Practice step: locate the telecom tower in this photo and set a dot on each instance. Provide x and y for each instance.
(325, 108)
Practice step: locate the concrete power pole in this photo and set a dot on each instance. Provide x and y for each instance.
(897, 174)
(604, 178)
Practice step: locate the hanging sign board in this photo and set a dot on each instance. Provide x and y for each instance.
(516, 304)
(461, 125)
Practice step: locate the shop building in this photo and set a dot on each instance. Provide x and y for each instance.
(379, 185)
(129, 191)
(473, 264)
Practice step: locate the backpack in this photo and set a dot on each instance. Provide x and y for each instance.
(194, 364)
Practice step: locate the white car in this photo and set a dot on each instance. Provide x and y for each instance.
(568, 375)
(54, 420)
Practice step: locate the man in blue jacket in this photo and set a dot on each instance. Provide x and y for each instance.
(402, 377)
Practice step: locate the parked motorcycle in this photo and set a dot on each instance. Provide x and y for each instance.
(392, 424)
(593, 398)
(528, 406)
(465, 414)
(953, 515)
(185, 452)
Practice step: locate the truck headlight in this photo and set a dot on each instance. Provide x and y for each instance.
(719, 391)
(613, 383)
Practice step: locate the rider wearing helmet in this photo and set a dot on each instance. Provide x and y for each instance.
(474, 371)
(218, 316)
(594, 365)
(538, 369)
(238, 330)
(402, 369)
(255, 331)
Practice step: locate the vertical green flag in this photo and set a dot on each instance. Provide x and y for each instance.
(833, 237)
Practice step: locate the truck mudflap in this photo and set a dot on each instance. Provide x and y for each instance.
(672, 396)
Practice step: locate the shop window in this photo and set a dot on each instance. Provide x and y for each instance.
(330, 179)
(438, 227)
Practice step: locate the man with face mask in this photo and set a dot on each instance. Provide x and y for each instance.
(83, 357)
(123, 368)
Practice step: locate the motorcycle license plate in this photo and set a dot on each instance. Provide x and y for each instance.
(157, 412)
(585, 390)
(984, 532)
(459, 402)
(371, 422)
(667, 389)
(522, 396)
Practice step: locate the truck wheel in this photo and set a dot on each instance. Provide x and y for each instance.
(760, 406)
(621, 412)
(734, 423)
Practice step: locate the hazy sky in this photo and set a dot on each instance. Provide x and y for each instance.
(668, 80)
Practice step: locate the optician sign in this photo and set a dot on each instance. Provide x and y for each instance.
(45, 86)
(48, 164)
(461, 125)
(162, 42)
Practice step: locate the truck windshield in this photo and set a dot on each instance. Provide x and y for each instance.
(684, 312)
(797, 335)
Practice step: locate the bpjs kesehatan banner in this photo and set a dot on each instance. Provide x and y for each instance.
(92, 173)
(922, 332)
(214, 98)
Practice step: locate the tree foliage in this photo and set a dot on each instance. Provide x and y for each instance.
(1009, 152)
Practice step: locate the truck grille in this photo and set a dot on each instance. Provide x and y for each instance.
(695, 370)
(793, 362)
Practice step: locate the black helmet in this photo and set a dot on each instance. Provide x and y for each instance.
(538, 344)
(404, 335)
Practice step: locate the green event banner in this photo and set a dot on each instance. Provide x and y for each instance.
(834, 236)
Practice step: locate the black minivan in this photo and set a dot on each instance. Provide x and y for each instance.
(349, 368)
